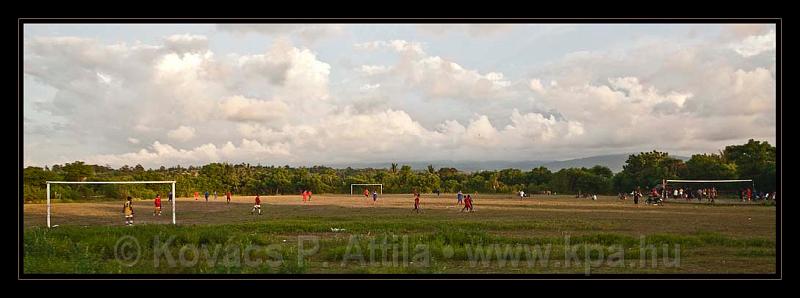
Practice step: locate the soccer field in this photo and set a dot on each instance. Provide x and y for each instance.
(562, 234)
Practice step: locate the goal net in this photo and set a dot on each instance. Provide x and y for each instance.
(360, 187)
(56, 189)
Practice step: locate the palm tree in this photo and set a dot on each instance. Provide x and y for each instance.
(431, 169)
(394, 168)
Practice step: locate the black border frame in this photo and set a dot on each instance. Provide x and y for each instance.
(778, 275)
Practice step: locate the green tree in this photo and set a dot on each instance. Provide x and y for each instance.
(754, 160)
(647, 169)
(77, 171)
(709, 166)
(601, 171)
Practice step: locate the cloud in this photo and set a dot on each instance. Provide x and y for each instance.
(755, 44)
(240, 108)
(296, 70)
(434, 75)
(371, 70)
(368, 87)
(181, 43)
(164, 154)
(307, 32)
(473, 30)
(182, 133)
(536, 85)
(398, 100)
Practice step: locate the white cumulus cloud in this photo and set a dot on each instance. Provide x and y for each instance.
(182, 133)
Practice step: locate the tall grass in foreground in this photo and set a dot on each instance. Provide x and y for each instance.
(453, 247)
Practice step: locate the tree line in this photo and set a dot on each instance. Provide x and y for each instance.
(753, 160)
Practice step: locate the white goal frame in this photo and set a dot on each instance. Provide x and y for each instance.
(174, 195)
(365, 184)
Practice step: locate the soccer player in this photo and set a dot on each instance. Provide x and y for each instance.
(170, 197)
(215, 195)
(460, 197)
(228, 197)
(127, 209)
(467, 204)
(206, 196)
(437, 192)
(374, 196)
(305, 195)
(366, 193)
(196, 195)
(257, 205)
(416, 202)
(309, 195)
(157, 210)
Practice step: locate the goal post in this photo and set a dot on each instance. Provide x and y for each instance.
(174, 195)
(365, 184)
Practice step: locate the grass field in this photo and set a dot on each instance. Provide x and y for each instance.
(349, 234)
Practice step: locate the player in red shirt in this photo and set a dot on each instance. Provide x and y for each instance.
(157, 210)
(305, 196)
(416, 202)
(196, 194)
(228, 197)
(309, 195)
(257, 205)
(467, 204)
(366, 193)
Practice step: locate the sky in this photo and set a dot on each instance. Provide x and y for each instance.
(308, 94)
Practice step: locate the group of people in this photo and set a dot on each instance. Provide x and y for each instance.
(374, 195)
(710, 194)
(586, 196)
(748, 195)
(466, 200)
(207, 194)
(306, 195)
(127, 208)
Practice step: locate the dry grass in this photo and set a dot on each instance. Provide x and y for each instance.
(607, 213)
(737, 238)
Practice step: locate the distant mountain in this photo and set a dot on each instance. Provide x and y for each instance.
(469, 166)
(612, 161)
